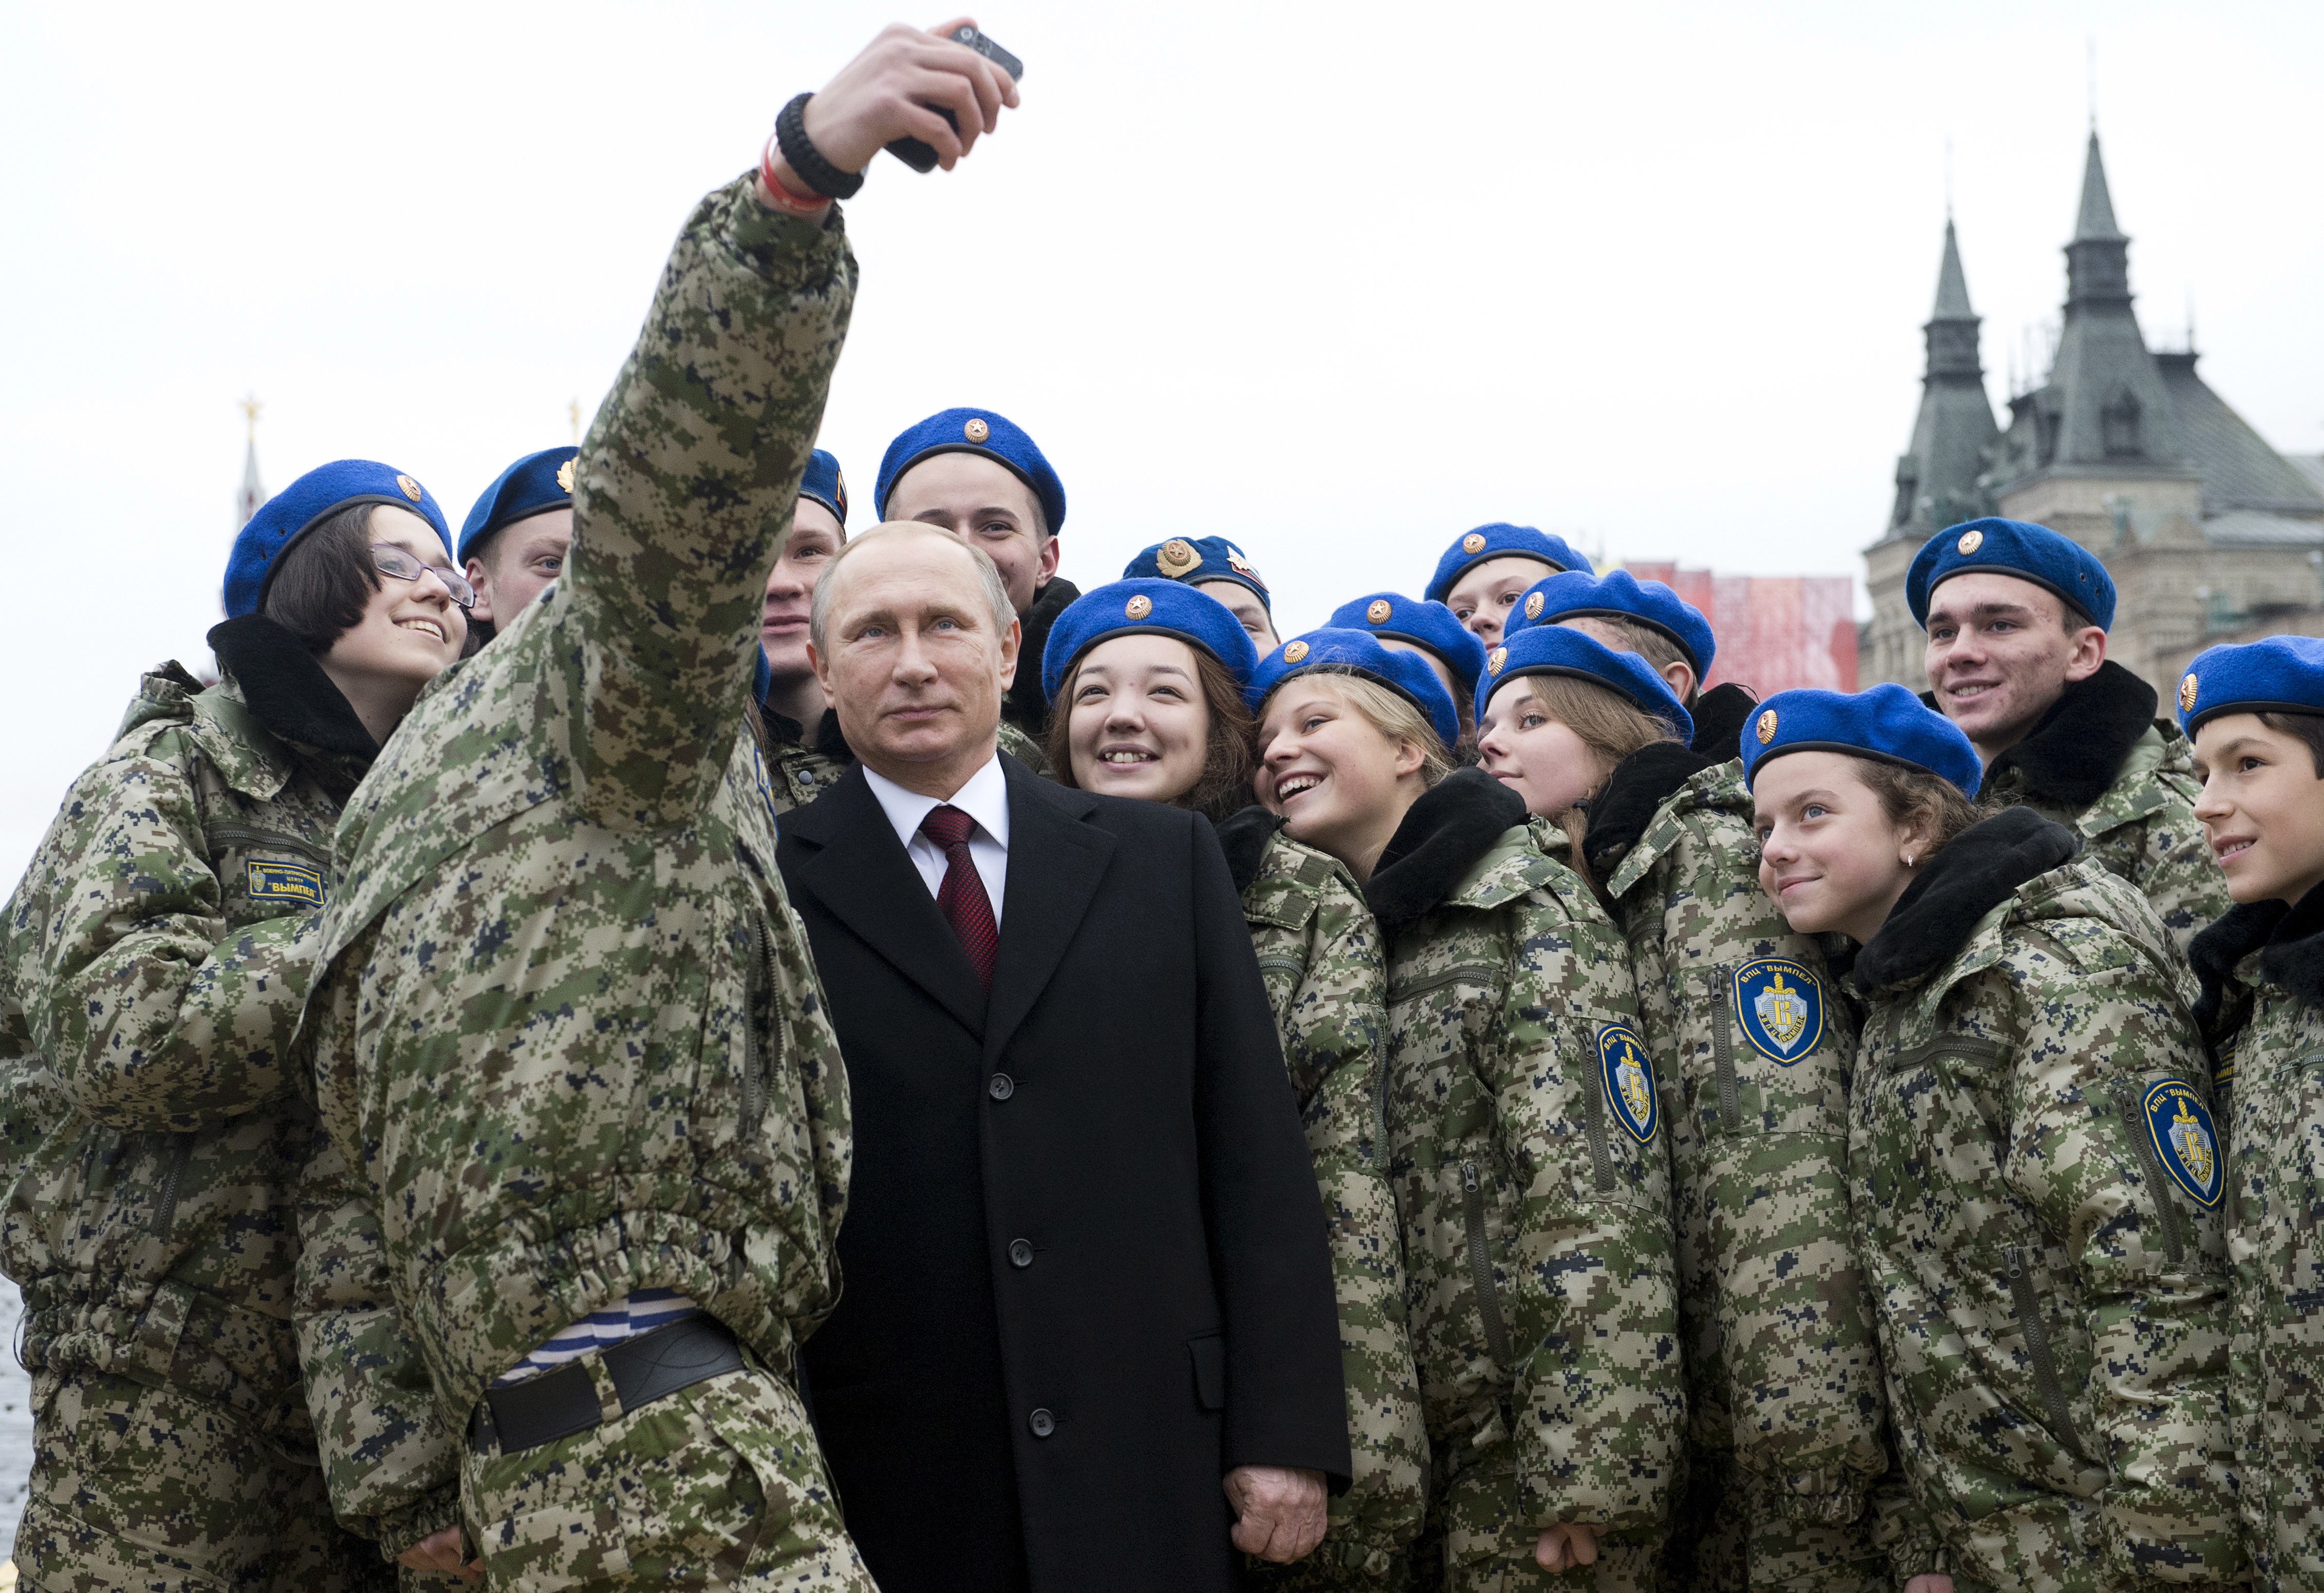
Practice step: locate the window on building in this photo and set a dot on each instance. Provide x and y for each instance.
(2118, 425)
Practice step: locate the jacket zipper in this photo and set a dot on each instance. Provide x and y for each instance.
(2037, 1347)
(2135, 1121)
(221, 836)
(1378, 1152)
(1722, 1047)
(1480, 1263)
(1593, 1119)
(754, 1082)
(173, 1177)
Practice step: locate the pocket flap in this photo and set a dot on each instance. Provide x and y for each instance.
(1210, 1353)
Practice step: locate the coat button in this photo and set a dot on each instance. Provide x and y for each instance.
(1021, 1252)
(1042, 1422)
(1002, 1087)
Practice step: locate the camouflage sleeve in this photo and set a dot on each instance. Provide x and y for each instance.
(155, 1013)
(390, 1463)
(1597, 1404)
(688, 480)
(1332, 1024)
(2179, 875)
(2103, 1027)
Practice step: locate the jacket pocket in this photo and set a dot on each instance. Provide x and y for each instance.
(1209, 1352)
(1480, 1263)
(2025, 1301)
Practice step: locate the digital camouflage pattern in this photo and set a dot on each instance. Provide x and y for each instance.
(154, 957)
(2053, 1303)
(1319, 952)
(2142, 829)
(1786, 1415)
(2275, 1245)
(566, 1032)
(797, 775)
(718, 1484)
(1536, 1224)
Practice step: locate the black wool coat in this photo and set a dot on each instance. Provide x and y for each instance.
(1085, 1258)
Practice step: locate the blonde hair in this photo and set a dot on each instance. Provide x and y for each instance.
(1609, 725)
(1391, 713)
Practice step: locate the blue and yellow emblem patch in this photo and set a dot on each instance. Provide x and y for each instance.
(1628, 1075)
(2181, 1126)
(283, 883)
(1780, 1004)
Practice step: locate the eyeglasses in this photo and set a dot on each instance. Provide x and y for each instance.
(389, 559)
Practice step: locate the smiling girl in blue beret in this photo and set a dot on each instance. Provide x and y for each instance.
(1522, 1130)
(2036, 1176)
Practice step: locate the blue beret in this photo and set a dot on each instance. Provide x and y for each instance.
(826, 485)
(2275, 674)
(1198, 558)
(1424, 624)
(1887, 722)
(1358, 652)
(1618, 594)
(322, 490)
(1150, 608)
(1500, 540)
(1558, 650)
(533, 484)
(2012, 548)
(974, 431)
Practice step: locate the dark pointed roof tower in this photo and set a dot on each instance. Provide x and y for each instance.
(1937, 477)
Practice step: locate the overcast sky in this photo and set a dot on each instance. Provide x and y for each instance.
(1337, 282)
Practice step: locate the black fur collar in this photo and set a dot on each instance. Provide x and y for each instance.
(784, 731)
(2295, 956)
(1440, 839)
(286, 688)
(1243, 837)
(1719, 715)
(1626, 804)
(1974, 874)
(2236, 934)
(2073, 756)
(1027, 707)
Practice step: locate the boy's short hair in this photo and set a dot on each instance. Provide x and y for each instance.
(1656, 647)
(2308, 728)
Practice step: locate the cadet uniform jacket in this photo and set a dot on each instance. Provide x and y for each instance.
(2262, 974)
(1738, 1012)
(1319, 952)
(799, 770)
(2038, 1209)
(2101, 764)
(155, 956)
(1533, 1177)
(567, 1034)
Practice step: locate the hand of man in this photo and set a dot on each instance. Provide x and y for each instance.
(885, 93)
(1566, 1544)
(440, 1551)
(1278, 1511)
(1930, 1582)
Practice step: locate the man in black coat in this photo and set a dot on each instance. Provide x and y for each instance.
(1086, 1282)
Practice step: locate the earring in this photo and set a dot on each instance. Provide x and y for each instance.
(1908, 860)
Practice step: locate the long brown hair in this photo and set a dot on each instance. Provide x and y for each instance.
(1224, 787)
(1611, 726)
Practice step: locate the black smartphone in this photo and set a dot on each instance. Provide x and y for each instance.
(919, 156)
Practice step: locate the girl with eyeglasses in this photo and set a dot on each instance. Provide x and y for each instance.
(155, 959)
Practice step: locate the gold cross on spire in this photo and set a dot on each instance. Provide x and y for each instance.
(574, 411)
(250, 407)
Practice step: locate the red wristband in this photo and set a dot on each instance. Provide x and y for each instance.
(786, 199)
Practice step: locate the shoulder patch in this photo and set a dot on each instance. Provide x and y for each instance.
(1780, 1004)
(270, 882)
(2180, 1124)
(1628, 1072)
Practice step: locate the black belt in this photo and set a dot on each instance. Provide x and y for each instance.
(564, 1400)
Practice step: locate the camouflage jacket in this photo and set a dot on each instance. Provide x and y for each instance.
(1532, 1175)
(2038, 1214)
(1739, 1014)
(2124, 781)
(566, 1033)
(799, 770)
(154, 956)
(1319, 952)
(2262, 974)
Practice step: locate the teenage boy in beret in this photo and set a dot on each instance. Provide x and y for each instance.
(2016, 617)
(514, 540)
(806, 753)
(977, 473)
(1216, 567)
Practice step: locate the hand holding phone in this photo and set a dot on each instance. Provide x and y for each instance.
(919, 155)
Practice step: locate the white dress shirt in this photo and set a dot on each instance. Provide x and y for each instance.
(984, 798)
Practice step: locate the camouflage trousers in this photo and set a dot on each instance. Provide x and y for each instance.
(1732, 1536)
(137, 1490)
(720, 1485)
(1478, 1541)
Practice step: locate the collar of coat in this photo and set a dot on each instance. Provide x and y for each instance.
(1973, 877)
(1283, 883)
(1027, 707)
(286, 688)
(2078, 750)
(782, 731)
(2290, 941)
(1627, 804)
(1447, 843)
(1244, 837)
(1719, 715)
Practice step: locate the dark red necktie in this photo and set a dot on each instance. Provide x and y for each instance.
(962, 898)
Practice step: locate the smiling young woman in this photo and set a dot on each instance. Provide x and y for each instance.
(2035, 1173)
(1521, 1122)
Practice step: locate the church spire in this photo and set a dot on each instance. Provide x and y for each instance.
(248, 501)
(2096, 219)
(1936, 479)
(1952, 286)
